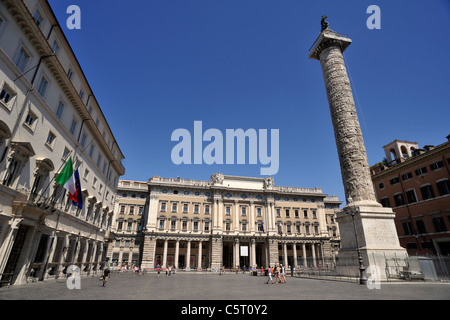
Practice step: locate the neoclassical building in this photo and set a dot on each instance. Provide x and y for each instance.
(48, 114)
(235, 221)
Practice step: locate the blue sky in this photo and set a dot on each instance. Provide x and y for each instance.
(156, 66)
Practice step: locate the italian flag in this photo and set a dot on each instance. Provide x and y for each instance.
(70, 180)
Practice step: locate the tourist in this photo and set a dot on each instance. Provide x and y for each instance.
(283, 274)
(106, 275)
(269, 272)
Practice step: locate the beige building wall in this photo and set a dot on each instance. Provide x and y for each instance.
(49, 113)
(206, 224)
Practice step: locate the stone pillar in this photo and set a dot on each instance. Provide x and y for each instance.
(305, 261)
(148, 252)
(188, 256)
(313, 251)
(285, 256)
(365, 226)
(273, 252)
(216, 252)
(199, 258)
(236, 252)
(294, 248)
(177, 253)
(164, 262)
(253, 253)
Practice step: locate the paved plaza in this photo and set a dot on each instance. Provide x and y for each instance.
(194, 286)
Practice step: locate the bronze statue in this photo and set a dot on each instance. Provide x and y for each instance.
(324, 23)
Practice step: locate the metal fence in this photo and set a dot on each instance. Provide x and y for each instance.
(406, 268)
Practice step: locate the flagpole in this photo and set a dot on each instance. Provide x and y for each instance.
(54, 177)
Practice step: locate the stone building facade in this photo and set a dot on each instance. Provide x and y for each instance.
(49, 114)
(130, 212)
(415, 183)
(237, 221)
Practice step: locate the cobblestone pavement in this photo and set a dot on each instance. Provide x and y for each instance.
(192, 286)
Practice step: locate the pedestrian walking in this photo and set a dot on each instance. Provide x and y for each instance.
(283, 274)
(106, 275)
(269, 273)
(158, 268)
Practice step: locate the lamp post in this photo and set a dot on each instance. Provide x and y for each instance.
(362, 270)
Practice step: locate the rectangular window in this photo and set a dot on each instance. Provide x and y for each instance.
(65, 153)
(278, 213)
(227, 210)
(394, 181)
(174, 207)
(73, 126)
(6, 95)
(406, 176)
(385, 202)
(398, 198)
(22, 59)
(258, 212)
(70, 74)
(131, 210)
(196, 207)
(173, 224)
(206, 226)
(161, 224)
(37, 18)
(60, 110)
(55, 48)
(244, 211)
(314, 214)
(439, 224)
(30, 119)
(195, 225)
(184, 225)
(305, 213)
(411, 196)
(436, 165)
(381, 185)
(141, 210)
(407, 228)
(421, 171)
(42, 86)
(163, 206)
(86, 174)
(443, 187)
(83, 140)
(122, 209)
(296, 213)
(287, 213)
(421, 227)
(427, 192)
(207, 209)
(185, 207)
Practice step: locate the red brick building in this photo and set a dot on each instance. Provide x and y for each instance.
(415, 183)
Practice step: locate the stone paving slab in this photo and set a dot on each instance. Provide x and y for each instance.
(195, 287)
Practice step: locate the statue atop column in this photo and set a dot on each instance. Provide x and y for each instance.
(324, 23)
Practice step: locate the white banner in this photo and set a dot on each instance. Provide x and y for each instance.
(244, 251)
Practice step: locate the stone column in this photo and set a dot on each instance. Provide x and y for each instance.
(164, 262)
(294, 248)
(148, 252)
(236, 252)
(313, 251)
(365, 226)
(177, 252)
(305, 261)
(253, 253)
(285, 256)
(199, 258)
(188, 256)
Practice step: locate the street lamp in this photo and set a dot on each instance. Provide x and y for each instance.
(362, 270)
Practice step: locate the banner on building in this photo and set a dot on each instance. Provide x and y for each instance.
(244, 251)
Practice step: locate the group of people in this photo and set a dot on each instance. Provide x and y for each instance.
(278, 272)
(168, 270)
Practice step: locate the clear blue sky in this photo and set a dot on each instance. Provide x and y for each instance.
(156, 66)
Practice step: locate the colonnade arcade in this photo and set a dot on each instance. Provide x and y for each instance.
(242, 251)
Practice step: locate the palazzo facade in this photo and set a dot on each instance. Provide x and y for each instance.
(49, 114)
(237, 222)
